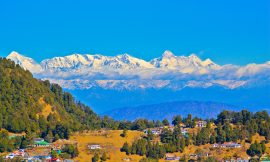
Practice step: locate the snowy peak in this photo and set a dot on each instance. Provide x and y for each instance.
(71, 61)
(194, 58)
(96, 61)
(124, 71)
(208, 62)
(14, 54)
(25, 62)
(133, 62)
(185, 64)
(168, 60)
(18, 58)
(167, 54)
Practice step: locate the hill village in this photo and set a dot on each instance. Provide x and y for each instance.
(42, 150)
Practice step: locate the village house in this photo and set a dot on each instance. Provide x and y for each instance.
(40, 142)
(237, 160)
(10, 156)
(155, 131)
(171, 157)
(242, 160)
(126, 159)
(176, 158)
(42, 158)
(94, 147)
(55, 159)
(204, 154)
(38, 139)
(58, 151)
(193, 156)
(17, 153)
(215, 145)
(171, 128)
(227, 145)
(201, 123)
(184, 132)
(231, 145)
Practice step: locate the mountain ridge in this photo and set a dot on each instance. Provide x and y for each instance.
(167, 110)
(85, 59)
(101, 80)
(167, 71)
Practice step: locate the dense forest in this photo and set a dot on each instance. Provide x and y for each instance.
(24, 98)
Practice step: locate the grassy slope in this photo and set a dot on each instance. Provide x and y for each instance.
(111, 141)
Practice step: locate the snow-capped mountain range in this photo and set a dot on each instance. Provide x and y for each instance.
(124, 72)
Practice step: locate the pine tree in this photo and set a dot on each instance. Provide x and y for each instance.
(125, 148)
(165, 122)
(95, 158)
(104, 157)
(177, 120)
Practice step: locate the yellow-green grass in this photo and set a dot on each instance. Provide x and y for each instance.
(110, 141)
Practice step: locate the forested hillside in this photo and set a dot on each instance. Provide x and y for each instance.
(228, 128)
(34, 106)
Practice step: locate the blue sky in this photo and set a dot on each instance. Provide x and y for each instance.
(227, 31)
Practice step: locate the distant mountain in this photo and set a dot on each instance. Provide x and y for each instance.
(25, 62)
(124, 72)
(186, 64)
(107, 82)
(102, 100)
(170, 109)
(77, 61)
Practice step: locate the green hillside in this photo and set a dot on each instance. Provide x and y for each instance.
(34, 106)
